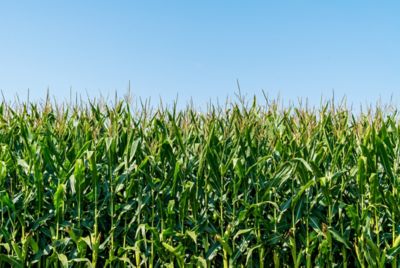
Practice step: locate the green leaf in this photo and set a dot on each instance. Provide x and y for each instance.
(64, 260)
(192, 235)
(241, 232)
(12, 260)
(339, 238)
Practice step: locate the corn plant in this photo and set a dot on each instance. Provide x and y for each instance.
(244, 185)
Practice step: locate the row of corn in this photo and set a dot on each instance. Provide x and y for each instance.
(244, 185)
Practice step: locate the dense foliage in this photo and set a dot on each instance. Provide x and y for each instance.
(244, 185)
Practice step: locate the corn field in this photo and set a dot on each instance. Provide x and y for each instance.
(245, 185)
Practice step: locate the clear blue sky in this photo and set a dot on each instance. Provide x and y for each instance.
(199, 48)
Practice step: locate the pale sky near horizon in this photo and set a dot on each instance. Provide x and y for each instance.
(198, 49)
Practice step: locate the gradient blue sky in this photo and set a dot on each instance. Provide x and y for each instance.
(199, 48)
